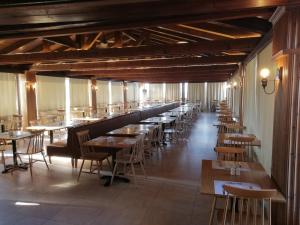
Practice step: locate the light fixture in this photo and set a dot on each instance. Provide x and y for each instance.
(264, 74)
(30, 85)
(234, 84)
(94, 87)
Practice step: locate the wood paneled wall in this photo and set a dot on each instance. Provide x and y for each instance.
(31, 96)
(94, 95)
(285, 164)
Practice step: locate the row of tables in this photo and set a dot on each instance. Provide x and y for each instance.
(216, 173)
(114, 141)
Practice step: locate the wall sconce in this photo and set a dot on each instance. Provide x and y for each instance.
(234, 84)
(94, 87)
(30, 85)
(265, 73)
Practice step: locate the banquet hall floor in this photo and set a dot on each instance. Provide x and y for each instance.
(169, 195)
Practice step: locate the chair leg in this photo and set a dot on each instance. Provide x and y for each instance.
(3, 160)
(30, 164)
(143, 169)
(80, 170)
(133, 172)
(50, 161)
(20, 158)
(72, 162)
(211, 217)
(45, 160)
(108, 162)
(113, 174)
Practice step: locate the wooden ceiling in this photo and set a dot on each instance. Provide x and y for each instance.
(134, 40)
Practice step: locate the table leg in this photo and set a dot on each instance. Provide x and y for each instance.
(14, 148)
(212, 212)
(51, 136)
(15, 165)
(2, 128)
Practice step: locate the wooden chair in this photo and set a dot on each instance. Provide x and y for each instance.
(131, 157)
(246, 206)
(3, 148)
(171, 133)
(148, 142)
(89, 153)
(243, 142)
(35, 146)
(230, 153)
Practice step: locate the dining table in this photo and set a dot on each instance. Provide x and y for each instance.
(158, 120)
(172, 114)
(14, 136)
(132, 130)
(52, 127)
(216, 173)
(112, 145)
(227, 137)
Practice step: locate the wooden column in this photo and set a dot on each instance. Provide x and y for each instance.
(242, 86)
(286, 149)
(125, 90)
(31, 96)
(94, 95)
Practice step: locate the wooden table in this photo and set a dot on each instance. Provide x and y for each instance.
(132, 130)
(157, 120)
(52, 127)
(14, 136)
(87, 119)
(227, 137)
(217, 173)
(111, 145)
(172, 114)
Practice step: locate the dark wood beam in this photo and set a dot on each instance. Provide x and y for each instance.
(134, 52)
(65, 41)
(91, 40)
(12, 47)
(154, 71)
(125, 24)
(133, 64)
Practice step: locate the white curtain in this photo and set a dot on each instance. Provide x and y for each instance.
(172, 92)
(8, 94)
(259, 107)
(216, 91)
(196, 92)
(79, 92)
(102, 93)
(51, 94)
(117, 92)
(156, 92)
(132, 92)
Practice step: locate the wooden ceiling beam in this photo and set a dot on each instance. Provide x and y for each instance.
(91, 40)
(134, 52)
(65, 41)
(146, 63)
(195, 69)
(14, 46)
(137, 23)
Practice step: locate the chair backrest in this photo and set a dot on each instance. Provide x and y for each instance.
(149, 138)
(137, 153)
(84, 136)
(230, 153)
(244, 141)
(248, 206)
(36, 143)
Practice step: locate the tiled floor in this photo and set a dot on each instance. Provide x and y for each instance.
(170, 195)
